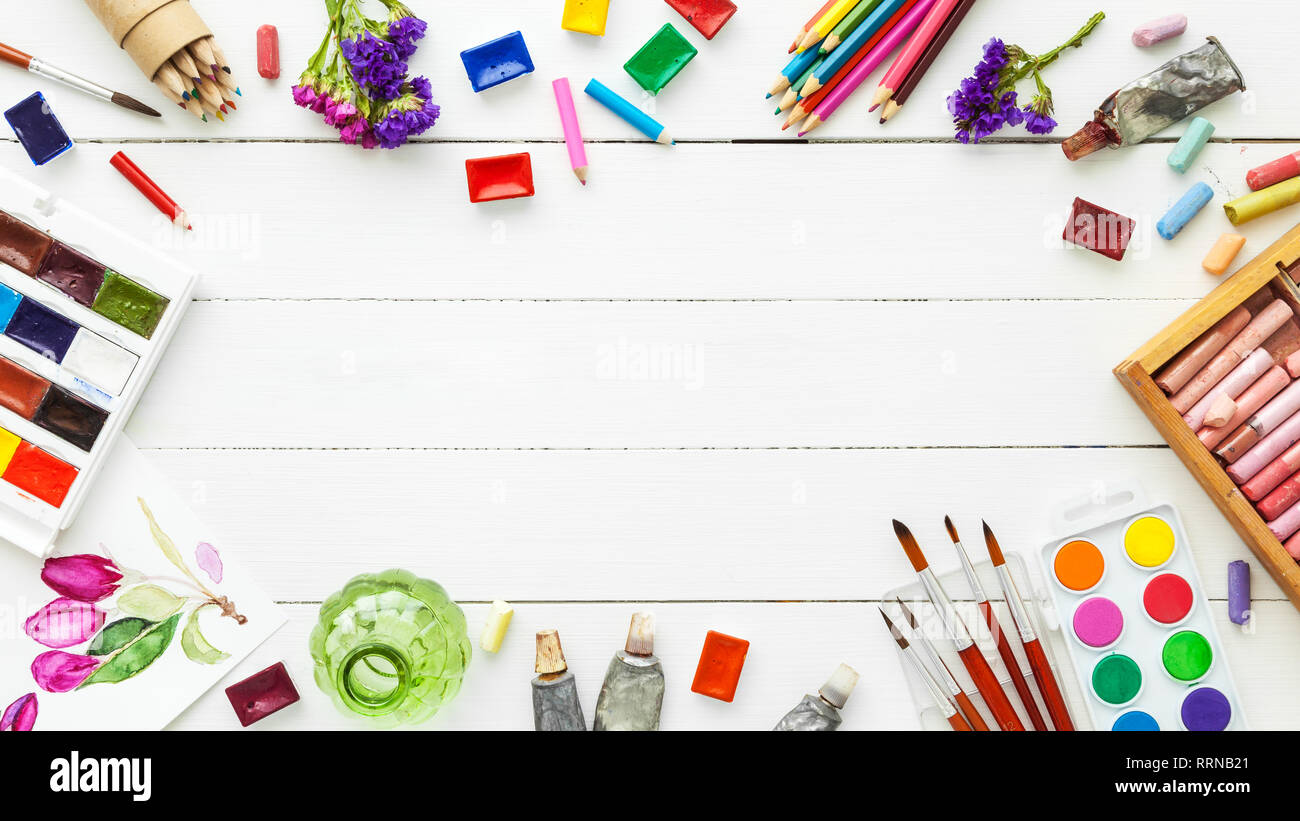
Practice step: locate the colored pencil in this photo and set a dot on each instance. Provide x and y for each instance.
(1004, 646)
(150, 189)
(940, 700)
(1043, 675)
(810, 102)
(926, 60)
(912, 51)
(827, 22)
(956, 695)
(795, 91)
(848, 25)
(971, 656)
(572, 131)
(629, 113)
(834, 61)
(11, 55)
(812, 21)
(796, 67)
(859, 74)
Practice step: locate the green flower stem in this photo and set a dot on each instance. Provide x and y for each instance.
(1037, 64)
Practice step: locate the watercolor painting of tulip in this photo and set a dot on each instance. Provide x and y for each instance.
(21, 715)
(125, 619)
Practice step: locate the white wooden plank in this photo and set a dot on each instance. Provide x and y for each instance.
(624, 374)
(793, 648)
(719, 95)
(698, 222)
(773, 525)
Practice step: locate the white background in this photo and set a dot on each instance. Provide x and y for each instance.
(880, 324)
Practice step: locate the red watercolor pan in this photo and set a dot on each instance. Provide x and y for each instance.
(40, 474)
(1168, 600)
(499, 178)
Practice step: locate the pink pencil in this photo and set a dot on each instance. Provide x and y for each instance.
(912, 52)
(572, 133)
(859, 74)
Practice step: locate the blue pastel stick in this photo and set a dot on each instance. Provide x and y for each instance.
(1194, 139)
(1189, 206)
(632, 115)
(854, 42)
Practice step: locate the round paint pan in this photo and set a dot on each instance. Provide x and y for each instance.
(1078, 566)
(1149, 543)
(1205, 709)
(1168, 600)
(1135, 720)
(1117, 680)
(1098, 623)
(1187, 656)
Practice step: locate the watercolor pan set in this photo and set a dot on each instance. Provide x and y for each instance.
(1210, 353)
(85, 314)
(933, 628)
(1136, 621)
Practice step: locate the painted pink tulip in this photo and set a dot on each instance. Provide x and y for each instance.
(65, 622)
(58, 672)
(84, 577)
(20, 715)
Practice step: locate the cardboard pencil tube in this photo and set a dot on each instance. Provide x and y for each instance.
(151, 31)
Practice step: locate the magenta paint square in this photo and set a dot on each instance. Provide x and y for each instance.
(261, 694)
(1098, 229)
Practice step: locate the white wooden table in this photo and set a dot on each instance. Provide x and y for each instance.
(879, 324)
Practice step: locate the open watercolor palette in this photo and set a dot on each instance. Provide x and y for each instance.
(932, 627)
(85, 313)
(1127, 597)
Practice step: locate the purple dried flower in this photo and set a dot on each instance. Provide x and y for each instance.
(404, 32)
(376, 65)
(411, 115)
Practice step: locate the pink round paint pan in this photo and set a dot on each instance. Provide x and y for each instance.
(1098, 623)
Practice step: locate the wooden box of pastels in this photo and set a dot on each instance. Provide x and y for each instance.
(85, 313)
(1220, 384)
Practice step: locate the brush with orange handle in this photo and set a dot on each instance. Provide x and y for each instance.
(956, 695)
(980, 672)
(1056, 707)
(936, 692)
(1004, 646)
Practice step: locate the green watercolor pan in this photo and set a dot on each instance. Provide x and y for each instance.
(1142, 641)
(85, 315)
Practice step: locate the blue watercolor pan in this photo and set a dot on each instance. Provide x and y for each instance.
(9, 299)
(38, 129)
(41, 329)
(497, 61)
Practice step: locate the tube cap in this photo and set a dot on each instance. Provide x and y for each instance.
(840, 685)
(550, 655)
(1092, 137)
(641, 635)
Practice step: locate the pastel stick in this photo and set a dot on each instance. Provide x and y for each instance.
(1260, 328)
(1191, 359)
(1251, 400)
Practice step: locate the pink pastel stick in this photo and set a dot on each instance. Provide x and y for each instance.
(1281, 499)
(1231, 386)
(1268, 449)
(572, 132)
(915, 48)
(1274, 473)
(1287, 524)
(1183, 367)
(1292, 546)
(855, 78)
(1251, 400)
(1293, 365)
(1261, 327)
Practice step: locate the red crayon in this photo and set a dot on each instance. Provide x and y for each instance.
(150, 189)
(1283, 168)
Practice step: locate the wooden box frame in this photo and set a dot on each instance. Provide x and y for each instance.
(1272, 269)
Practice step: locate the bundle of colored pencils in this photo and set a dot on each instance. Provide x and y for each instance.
(838, 48)
(198, 79)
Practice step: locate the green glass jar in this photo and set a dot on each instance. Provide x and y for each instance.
(390, 646)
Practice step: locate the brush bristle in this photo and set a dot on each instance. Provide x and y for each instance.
(952, 529)
(907, 613)
(995, 552)
(133, 104)
(910, 547)
(893, 630)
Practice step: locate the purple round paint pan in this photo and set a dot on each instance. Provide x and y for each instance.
(1206, 710)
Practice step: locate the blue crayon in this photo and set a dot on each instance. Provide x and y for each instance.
(854, 42)
(632, 115)
(1189, 206)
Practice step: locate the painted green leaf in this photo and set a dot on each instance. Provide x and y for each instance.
(149, 601)
(196, 647)
(164, 542)
(137, 655)
(117, 635)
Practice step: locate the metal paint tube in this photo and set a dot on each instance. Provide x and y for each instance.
(1152, 103)
(633, 692)
(821, 712)
(555, 692)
